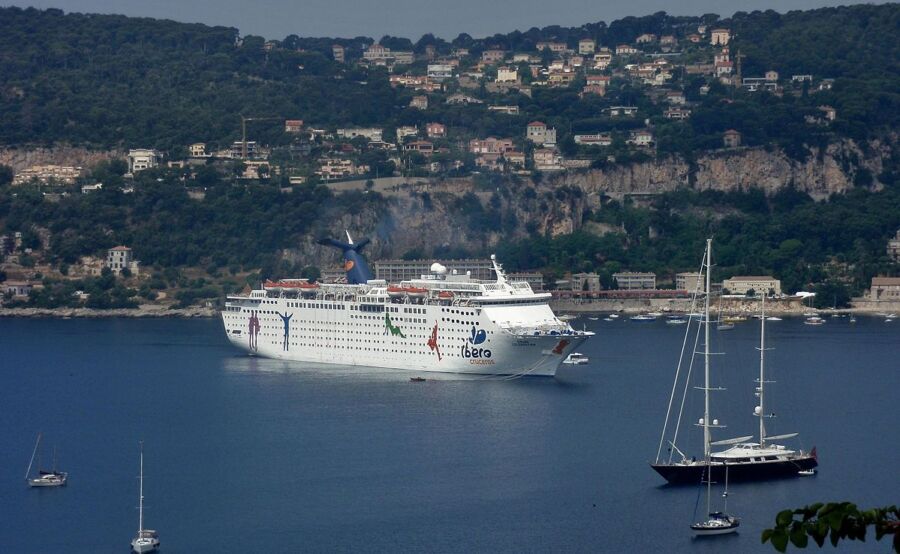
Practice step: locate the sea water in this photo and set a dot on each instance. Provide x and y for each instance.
(251, 455)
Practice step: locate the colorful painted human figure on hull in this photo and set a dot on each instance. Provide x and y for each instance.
(287, 328)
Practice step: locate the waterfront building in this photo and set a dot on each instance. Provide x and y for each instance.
(631, 280)
(885, 288)
(688, 281)
(758, 283)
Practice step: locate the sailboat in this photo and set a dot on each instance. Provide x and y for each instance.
(719, 523)
(146, 540)
(52, 478)
(743, 460)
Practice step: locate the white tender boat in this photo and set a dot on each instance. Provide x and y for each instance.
(576, 358)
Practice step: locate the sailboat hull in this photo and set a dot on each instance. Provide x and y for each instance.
(693, 472)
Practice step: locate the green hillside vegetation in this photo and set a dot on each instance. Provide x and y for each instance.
(116, 82)
(836, 246)
(104, 81)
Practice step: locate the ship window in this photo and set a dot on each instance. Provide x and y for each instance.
(771, 457)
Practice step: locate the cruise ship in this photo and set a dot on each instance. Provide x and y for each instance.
(444, 322)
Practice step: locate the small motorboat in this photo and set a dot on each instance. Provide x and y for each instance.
(814, 320)
(773, 318)
(576, 358)
(614, 316)
(643, 318)
(593, 318)
(725, 326)
(676, 321)
(608, 319)
(417, 379)
(807, 472)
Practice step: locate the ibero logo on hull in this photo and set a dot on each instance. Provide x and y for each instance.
(475, 354)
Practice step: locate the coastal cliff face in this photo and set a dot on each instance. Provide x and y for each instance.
(75, 156)
(436, 215)
(820, 175)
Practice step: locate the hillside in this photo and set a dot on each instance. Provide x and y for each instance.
(810, 193)
(112, 81)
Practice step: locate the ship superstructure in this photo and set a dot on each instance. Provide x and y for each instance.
(444, 322)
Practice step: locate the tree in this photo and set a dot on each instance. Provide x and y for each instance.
(6, 175)
(836, 521)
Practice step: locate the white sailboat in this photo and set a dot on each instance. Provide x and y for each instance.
(52, 478)
(718, 523)
(147, 540)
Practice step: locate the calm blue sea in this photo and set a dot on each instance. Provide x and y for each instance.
(250, 455)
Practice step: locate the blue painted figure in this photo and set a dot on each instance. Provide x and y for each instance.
(287, 328)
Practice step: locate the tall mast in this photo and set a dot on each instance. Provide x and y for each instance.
(762, 374)
(36, 443)
(141, 503)
(706, 445)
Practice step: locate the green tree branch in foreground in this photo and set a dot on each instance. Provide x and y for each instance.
(843, 520)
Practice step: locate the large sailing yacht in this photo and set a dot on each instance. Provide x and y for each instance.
(743, 460)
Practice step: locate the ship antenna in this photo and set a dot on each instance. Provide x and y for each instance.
(498, 269)
(349, 238)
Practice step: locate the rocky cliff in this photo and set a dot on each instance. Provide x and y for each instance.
(823, 173)
(23, 158)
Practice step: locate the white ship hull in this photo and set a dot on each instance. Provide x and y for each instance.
(446, 339)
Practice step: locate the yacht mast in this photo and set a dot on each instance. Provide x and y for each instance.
(706, 438)
(762, 374)
(141, 504)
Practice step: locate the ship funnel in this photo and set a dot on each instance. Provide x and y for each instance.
(355, 265)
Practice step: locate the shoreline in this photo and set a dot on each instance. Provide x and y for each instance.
(143, 311)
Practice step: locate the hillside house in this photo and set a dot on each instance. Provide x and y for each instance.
(507, 74)
(119, 258)
(407, 131)
(731, 138)
(140, 159)
(493, 56)
(720, 37)
(436, 130)
(596, 139)
(293, 125)
(547, 159)
(421, 146)
(538, 133)
(198, 150)
(419, 102)
(440, 72)
(491, 145)
(587, 46)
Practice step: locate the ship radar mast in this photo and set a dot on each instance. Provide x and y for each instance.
(498, 269)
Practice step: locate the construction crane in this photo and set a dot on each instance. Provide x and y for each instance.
(244, 121)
